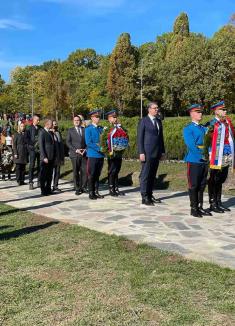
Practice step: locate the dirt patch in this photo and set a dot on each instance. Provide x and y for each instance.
(128, 245)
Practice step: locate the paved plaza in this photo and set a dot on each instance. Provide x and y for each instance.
(167, 226)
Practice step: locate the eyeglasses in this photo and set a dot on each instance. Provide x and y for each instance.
(155, 108)
(96, 116)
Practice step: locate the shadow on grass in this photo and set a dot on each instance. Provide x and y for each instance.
(5, 227)
(26, 230)
(9, 211)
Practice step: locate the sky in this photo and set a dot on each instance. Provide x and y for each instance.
(34, 31)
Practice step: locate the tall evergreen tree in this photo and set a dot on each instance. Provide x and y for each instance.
(122, 75)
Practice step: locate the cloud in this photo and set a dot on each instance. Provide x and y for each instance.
(13, 24)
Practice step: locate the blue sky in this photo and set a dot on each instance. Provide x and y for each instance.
(33, 31)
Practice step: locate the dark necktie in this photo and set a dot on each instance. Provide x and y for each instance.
(155, 123)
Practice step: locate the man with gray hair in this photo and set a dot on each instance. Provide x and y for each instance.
(47, 157)
(151, 149)
(32, 134)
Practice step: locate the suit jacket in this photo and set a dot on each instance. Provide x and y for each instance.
(150, 138)
(75, 141)
(46, 145)
(32, 135)
(20, 148)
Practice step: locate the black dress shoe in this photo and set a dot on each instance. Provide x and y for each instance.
(119, 193)
(43, 193)
(196, 213)
(112, 192)
(78, 192)
(98, 195)
(204, 212)
(156, 200)
(92, 196)
(216, 209)
(147, 202)
(56, 189)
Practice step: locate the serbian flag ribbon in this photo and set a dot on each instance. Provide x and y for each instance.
(217, 148)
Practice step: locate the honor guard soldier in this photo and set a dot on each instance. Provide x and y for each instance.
(197, 166)
(220, 149)
(95, 157)
(114, 142)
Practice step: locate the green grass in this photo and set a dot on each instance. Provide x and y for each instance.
(59, 274)
(171, 176)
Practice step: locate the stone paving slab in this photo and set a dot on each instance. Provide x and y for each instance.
(167, 226)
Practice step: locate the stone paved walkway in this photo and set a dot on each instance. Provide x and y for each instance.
(167, 226)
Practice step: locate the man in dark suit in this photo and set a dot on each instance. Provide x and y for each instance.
(47, 156)
(151, 149)
(33, 148)
(77, 153)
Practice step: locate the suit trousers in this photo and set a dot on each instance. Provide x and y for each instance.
(56, 176)
(147, 176)
(79, 172)
(46, 171)
(34, 159)
(20, 172)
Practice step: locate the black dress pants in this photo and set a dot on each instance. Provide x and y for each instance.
(147, 176)
(20, 172)
(197, 180)
(94, 168)
(46, 172)
(114, 167)
(79, 164)
(34, 160)
(215, 183)
(56, 176)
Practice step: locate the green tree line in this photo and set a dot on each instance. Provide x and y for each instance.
(179, 68)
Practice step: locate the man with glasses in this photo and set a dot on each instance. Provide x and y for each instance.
(77, 153)
(95, 159)
(197, 166)
(151, 149)
(221, 149)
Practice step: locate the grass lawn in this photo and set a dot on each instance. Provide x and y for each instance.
(171, 176)
(58, 274)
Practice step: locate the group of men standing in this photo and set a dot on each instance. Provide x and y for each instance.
(46, 153)
(210, 148)
(87, 155)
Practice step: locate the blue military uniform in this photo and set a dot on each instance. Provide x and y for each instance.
(197, 167)
(95, 157)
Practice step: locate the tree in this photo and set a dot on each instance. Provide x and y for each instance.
(181, 25)
(122, 75)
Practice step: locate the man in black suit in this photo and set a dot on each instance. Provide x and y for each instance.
(151, 150)
(33, 148)
(77, 153)
(47, 156)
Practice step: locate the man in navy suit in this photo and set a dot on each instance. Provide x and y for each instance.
(151, 149)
